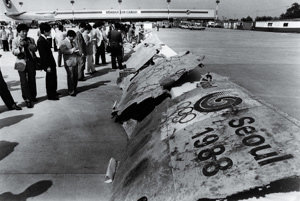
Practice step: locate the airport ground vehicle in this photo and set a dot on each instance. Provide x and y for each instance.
(185, 24)
(197, 26)
(191, 25)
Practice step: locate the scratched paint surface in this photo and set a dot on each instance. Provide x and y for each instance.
(212, 142)
(146, 170)
(229, 152)
(214, 101)
(150, 81)
(224, 151)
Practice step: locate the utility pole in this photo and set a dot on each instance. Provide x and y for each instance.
(217, 8)
(120, 2)
(168, 1)
(72, 2)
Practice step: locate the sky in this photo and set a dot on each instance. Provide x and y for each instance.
(227, 8)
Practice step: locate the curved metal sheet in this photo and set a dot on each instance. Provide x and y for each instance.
(220, 137)
(212, 105)
(145, 170)
(150, 82)
(220, 142)
(144, 51)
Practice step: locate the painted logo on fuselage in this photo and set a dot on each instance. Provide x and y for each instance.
(8, 3)
(216, 101)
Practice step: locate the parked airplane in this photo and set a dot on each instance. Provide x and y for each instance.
(13, 13)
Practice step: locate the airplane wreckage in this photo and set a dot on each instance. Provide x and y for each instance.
(196, 136)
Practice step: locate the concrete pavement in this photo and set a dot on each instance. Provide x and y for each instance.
(59, 150)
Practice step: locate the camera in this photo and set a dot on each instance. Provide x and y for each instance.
(24, 43)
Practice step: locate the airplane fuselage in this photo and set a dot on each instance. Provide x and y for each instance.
(28, 17)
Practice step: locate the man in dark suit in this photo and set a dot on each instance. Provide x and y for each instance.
(6, 96)
(47, 61)
(82, 50)
(116, 44)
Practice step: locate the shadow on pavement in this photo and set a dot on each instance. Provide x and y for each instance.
(16, 83)
(64, 92)
(32, 191)
(8, 121)
(6, 148)
(3, 108)
(285, 185)
(13, 85)
(100, 73)
(92, 86)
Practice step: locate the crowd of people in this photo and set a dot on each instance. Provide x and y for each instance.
(78, 52)
(6, 37)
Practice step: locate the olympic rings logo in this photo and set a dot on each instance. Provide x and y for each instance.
(184, 113)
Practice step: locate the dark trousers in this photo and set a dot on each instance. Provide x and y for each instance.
(5, 45)
(51, 83)
(72, 77)
(5, 93)
(81, 67)
(59, 58)
(10, 44)
(100, 51)
(27, 79)
(116, 53)
(54, 46)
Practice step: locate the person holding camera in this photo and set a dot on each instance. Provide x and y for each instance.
(71, 54)
(24, 48)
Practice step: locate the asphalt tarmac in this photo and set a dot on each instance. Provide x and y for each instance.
(264, 63)
(59, 150)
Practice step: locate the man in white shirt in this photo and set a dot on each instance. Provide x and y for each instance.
(10, 37)
(4, 38)
(82, 50)
(60, 35)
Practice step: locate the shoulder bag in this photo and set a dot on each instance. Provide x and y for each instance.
(20, 64)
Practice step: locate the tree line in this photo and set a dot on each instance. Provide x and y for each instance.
(291, 13)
